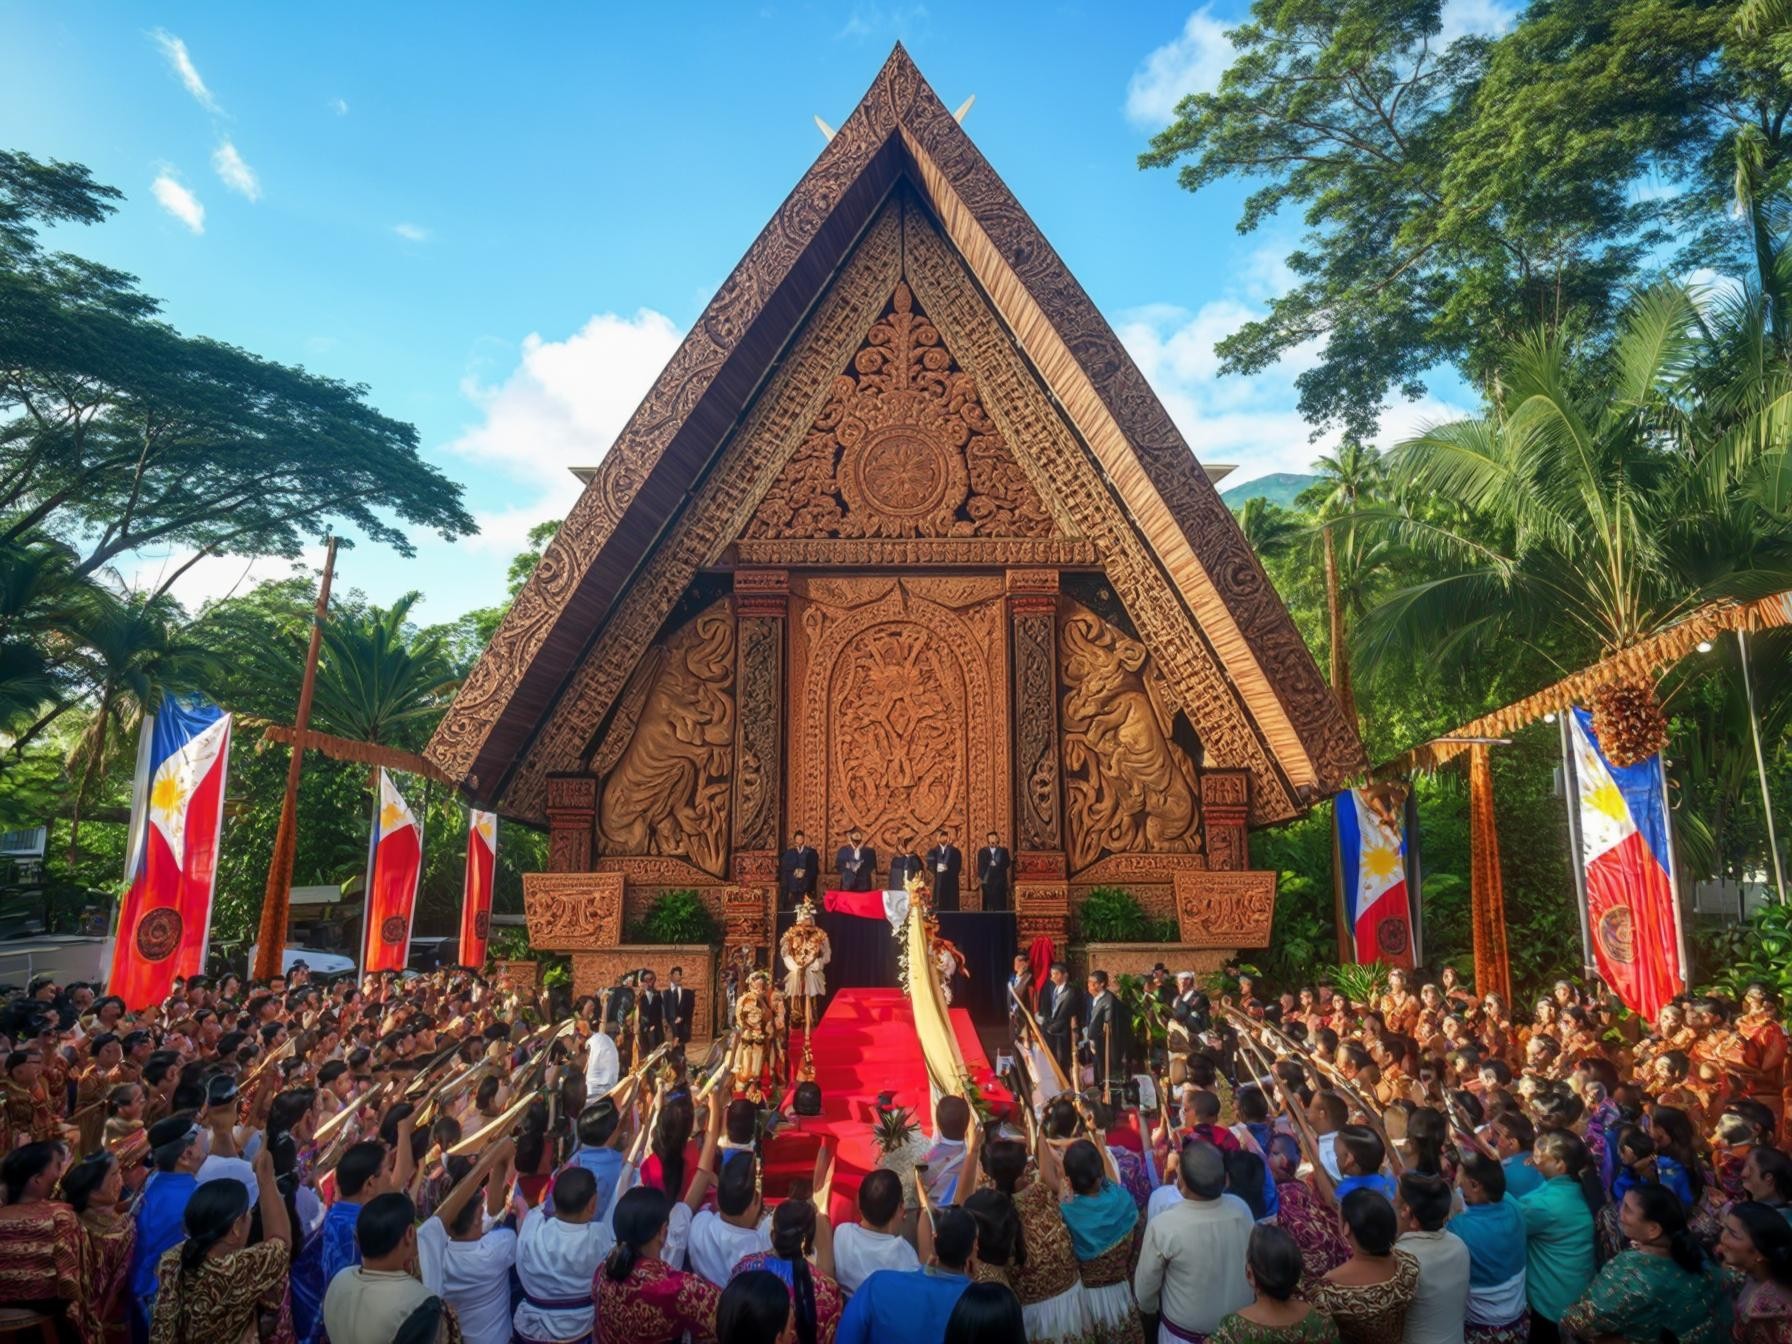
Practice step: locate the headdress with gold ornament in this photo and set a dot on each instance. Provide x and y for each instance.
(805, 909)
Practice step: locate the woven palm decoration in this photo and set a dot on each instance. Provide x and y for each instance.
(1628, 720)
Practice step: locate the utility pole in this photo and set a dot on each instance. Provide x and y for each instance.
(276, 902)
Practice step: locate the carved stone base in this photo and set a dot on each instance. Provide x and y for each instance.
(1042, 910)
(747, 922)
(1040, 865)
(1138, 958)
(756, 867)
(573, 912)
(1228, 910)
(594, 972)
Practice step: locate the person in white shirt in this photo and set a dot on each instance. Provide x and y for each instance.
(466, 1260)
(1327, 1114)
(1441, 1305)
(874, 1243)
(1192, 1258)
(558, 1249)
(720, 1238)
(945, 1159)
(603, 1065)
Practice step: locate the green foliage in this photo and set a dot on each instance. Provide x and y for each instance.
(511, 944)
(894, 1129)
(676, 916)
(1114, 915)
(1360, 984)
(1760, 949)
(1145, 1014)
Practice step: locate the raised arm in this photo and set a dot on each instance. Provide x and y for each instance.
(706, 1163)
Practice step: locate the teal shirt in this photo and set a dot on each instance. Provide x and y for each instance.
(1521, 1176)
(1558, 1247)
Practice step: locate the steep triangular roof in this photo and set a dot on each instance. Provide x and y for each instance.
(1210, 581)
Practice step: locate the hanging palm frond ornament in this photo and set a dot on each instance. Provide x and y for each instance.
(1627, 717)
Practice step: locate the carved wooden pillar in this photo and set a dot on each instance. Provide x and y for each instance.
(1225, 805)
(572, 816)
(1038, 801)
(746, 926)
(761, 605)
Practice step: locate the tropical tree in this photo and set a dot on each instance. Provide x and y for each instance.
(48, 613)
(379, 680)
(1271, 530)
(1348, 480)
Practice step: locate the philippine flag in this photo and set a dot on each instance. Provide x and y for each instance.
(476, 906)
(1632, 915)
(393, 874)
(176, 813)
(1372, 869)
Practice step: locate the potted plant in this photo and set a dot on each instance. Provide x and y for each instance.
(900, 1142)
(514, 959)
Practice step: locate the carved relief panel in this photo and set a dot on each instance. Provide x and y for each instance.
(1128, 788)
(898, 710)
(903, 448)
(668, 793)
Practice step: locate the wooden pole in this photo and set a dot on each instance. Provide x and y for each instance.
(271, 938)
(1754, 728)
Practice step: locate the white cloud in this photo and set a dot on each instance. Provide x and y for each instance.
(1483, 18)
(339, 106)
(234, 172)
(411, 233)
(1250, 423)
(215, 576)
(174, 51)
(561, 407)
(1192, 63)
(179, 202)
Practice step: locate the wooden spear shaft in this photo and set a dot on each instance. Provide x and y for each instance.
(271, 939)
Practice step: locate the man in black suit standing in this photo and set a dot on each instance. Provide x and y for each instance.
(856, 861)
(1020, 986)
(653, 1014)
(681, 1006)
(797, 868)
(995, 874)
(944, 865)
(1105, 1035)
(904, 864)
(1058, 1011)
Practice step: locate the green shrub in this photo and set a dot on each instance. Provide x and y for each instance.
(1114, 915)
(677, 916)
(511, 944)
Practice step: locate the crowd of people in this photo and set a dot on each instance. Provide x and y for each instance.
(438, 1158)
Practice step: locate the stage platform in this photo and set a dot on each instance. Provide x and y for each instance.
(865, 1045)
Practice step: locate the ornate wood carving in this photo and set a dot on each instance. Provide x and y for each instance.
(1226, 811)
(594, 972)
(944, 552)
(1042, 910)
(1225, 909)
(1135, 869)
(746, 922)
(1128, 788)
(654, 870)
(758, 753)
(572, 807)
(898, 713)
(669, 791)
(1040, 866)
(756, 867)
(573, 911)
(902, 448)
(1035, 661)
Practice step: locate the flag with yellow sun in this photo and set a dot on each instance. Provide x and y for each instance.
(1372, 854)
(476, 901)
(392, 876)
(177, 810)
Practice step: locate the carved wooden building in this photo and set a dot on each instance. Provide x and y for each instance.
(900, 539)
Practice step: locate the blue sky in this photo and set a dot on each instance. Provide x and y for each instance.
(502, 219)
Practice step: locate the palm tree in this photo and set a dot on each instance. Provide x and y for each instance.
(378, 680)
(1271, 529)
(48, 613)
(1349, 479)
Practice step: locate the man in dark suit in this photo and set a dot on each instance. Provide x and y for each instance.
(1020, 985)
(995, 874)
(1058, 1010)
(619, 1015)
(1104, 1036)
(944, 865)
(653, 1013)
(904, 864)
(681, 1006)
(856, 861)
(797, 868)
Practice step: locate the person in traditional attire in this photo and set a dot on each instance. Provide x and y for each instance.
(93, 1084)
(1277, 1315)
(1304, 1214)
(754, 1024)
(1370, 1294)
(177, 1146)
(1757, 1245)
(640, 1298)
(805, 951)
(815, 1297)
(904, 864)
(215, 1288)
(26, 1115)
(857, 862)
(94, 1188)
(798, 868)
(1104, 1222)
(1759, 1025)
(44, 1261)
(995, 874)
(556, 1259)
(1662, 1284)
(1049, 1283)
(945, 864)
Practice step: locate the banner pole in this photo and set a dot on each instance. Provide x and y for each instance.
(1754, 728)
(1571, 794)
(1673, 862)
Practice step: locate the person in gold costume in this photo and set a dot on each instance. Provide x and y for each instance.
(805, 951)
(754, 1026)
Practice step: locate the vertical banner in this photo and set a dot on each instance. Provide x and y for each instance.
(177, 810)
(476, 905)
(1633, 915)
(1372, 877)
(392, 878)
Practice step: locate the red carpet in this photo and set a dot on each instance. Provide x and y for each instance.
(865, 1045)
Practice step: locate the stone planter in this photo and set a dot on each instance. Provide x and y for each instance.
(1119, 959)
(594, 972)
(524, 976)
